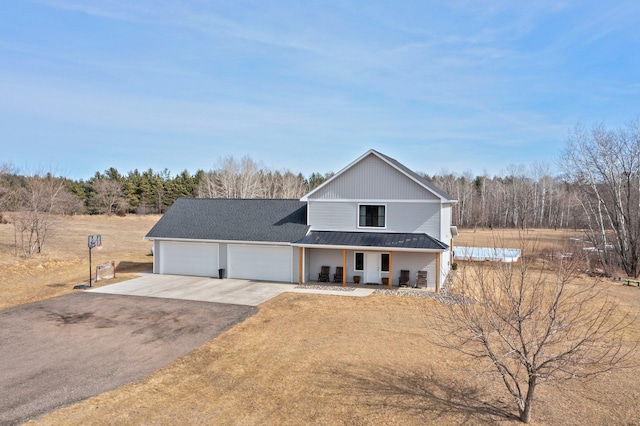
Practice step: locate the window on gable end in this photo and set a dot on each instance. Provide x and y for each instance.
(372, 216)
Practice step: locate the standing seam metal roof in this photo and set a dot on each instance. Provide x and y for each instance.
(372, 239)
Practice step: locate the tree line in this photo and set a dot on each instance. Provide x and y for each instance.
(524, 197)
(598, 190)
(33, 201)
(149, 192)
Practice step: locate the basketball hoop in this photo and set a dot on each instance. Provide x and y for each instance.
(93, 241)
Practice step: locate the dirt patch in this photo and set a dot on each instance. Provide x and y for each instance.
(69, 348)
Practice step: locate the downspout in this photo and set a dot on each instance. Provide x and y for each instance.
(300, 263)
(438, 272)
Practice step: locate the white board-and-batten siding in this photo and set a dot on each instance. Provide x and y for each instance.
(406, 217)
(372, 179)
(445, 230)
(410, 207)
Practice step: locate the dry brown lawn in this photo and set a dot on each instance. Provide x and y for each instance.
(314, 359)
(65, 260)
(535, 239)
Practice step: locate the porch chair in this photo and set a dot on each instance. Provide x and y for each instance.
(323, 276)
(337, 277)
(421, 280)
(404, 278)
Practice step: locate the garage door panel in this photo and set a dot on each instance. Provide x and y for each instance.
(182, 258)
(259, 262)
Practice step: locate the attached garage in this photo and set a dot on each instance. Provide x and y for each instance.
(260, 262)
(188, 258)
(249, 239)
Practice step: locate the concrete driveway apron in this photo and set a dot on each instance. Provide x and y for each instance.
(204, 289)
(239, 292)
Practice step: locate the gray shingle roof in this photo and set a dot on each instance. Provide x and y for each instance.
(372, 239)
(233, 220)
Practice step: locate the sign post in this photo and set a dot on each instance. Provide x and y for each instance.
(92, 242)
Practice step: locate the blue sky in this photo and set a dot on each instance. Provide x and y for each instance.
(442, 86)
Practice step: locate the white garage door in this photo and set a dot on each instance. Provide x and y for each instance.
(179, 258)
(265, 263)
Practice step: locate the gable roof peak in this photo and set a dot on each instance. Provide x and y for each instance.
(420, 180)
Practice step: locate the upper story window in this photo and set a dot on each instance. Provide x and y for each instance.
(372, 216)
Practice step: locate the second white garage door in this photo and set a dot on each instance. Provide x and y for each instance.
(257, 262)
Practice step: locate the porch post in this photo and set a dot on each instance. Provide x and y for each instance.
(344, 267)
(438, 272)
(390, 270)
(300, 263)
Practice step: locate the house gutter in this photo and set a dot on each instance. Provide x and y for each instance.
(370, 248)
(266, 243)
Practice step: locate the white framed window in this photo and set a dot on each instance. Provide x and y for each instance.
(372, 216)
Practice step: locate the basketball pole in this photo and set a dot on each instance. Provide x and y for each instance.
(90, 265)
(93, 241)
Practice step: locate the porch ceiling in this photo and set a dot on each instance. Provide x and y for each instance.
(386, 240)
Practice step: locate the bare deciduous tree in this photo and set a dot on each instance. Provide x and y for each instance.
(5, 190)
(245, 179)
(110, 197)
(531, 326)
(605, 166)
(231, 179)
(36, 204)
(523, 197)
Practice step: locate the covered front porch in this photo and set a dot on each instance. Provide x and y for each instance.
(372, 259)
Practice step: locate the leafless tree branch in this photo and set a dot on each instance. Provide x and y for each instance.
(534, 324)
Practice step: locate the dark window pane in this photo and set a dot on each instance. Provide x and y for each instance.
(373, 216)
(359, 262)
(385, 262)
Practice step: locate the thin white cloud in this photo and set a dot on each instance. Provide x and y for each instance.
(414, 71)
(129, 11)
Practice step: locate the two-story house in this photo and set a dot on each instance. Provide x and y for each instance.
(372, 219)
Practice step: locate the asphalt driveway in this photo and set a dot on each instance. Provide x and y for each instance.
(63, 350)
